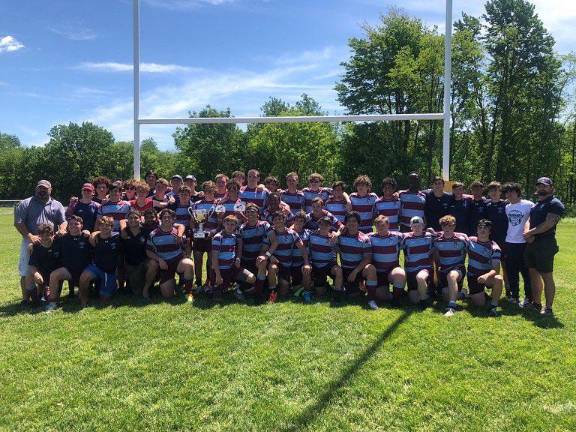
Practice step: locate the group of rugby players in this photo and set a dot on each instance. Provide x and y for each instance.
(261, 242)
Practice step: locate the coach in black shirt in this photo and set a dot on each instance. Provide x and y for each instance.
(542, 245)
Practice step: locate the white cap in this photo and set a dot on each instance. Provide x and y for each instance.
(416, 220)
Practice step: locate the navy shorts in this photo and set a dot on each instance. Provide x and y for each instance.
(106, 281)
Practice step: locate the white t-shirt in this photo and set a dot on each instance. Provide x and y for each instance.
(517, 215)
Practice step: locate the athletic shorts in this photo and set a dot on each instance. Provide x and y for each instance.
(75, 281)
(107, 285)
(384, 277)
(351, 286)
(443, 277)
(202, 245)
(319, 274)
(24, 257)
(296, 273)
(284, 272)
(229, 276)
(250, 265)
(474, 287)
(413, 284)
(136, 276)
(170, 272)
(539, 254)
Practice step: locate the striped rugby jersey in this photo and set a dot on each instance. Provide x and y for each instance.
(182, 216)
(411, 204)
(482, 257)
(117, 210)
(312, 222)
(252, 239)
(417, 252)
(227, 246)
(295, 200)
(451, 251)
(287, 242)
(391, 209)
(321, 251)
(386, 250)
(310, 194)
(165, 244)
(337, 208)
(252, 195)
(365, 206)
(353, 248)
(297, 258)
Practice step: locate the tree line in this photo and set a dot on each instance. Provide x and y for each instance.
(512, 117)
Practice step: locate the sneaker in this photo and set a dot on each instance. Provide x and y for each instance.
(535, 307)
(239, 294)
(272, 297)
(493, 311)
(372, 305)
(547, 311)
(50, 307)
(189, 297)
(526, 303)
(307, 297)
(449, 312)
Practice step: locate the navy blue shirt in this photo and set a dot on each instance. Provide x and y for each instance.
(477, 213)
(88, 213)
(76, 252)
(540, 211)
(134, 246)
(435, 208)
(45, 259)
(106, 253)
(496, 213)
(462, 211)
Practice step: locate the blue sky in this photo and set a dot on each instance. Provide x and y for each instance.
(70, 60)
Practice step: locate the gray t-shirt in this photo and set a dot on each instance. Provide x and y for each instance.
(33, 211)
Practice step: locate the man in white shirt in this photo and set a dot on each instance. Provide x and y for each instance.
(518, 213)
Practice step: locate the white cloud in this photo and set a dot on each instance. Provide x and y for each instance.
(75, 31)
(10, 44)
(144, 67)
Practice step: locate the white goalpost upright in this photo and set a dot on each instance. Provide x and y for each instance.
(445, 116)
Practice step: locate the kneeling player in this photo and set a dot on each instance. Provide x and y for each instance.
(226, 268)
(103, 269)
(76, 255)
(44, 259)
(418, 246)
(386, 246)
(165, 248)
(355, 257)
(450, 248)
(323, 258)
(278, 250)
(483, 266)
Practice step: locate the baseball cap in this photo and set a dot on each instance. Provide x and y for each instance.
(176, 176)
(416, 220)
(190, 177)
(44, 183)
(544, 181)
(88, 186)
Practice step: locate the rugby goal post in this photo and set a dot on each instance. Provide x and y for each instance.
(445, 116)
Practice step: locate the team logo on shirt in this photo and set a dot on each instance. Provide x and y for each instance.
(515, 217)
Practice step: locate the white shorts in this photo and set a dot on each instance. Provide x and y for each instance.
(24, 257)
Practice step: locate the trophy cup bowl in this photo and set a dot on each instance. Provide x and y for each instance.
(199, 216)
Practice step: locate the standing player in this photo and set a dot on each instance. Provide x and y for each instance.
(151, 178)
(226, 264)
(142, 202)
(164, 247)
(106, 244)
(231, 202)
(461, 208)
(292, 196)
(221, 181)
(314, 190)
(518, 213)
(181, 208)
(278, 247)
(337, 204)
(412, 202)
(323, 258)
(190, 181)
(76, 255)
(478, 210)
(318, 213)
(418, 247)
(115, 208)
(86, 208)
(483, 267)
(272, 184)
(496, 213)
(240, 178)
(437, 203)
(160, 199)
(389, 204)
(355, 258)
(386, 246)
(450, 247)
(252, 192)
(210, 226)
(362, 201)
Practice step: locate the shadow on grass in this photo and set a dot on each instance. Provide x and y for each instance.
(334, 388)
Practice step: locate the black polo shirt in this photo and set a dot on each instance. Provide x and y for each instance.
(540, 211)
(436, 207)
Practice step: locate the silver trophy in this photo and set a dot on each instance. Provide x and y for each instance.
(220, 210)
(239, 207)
(199, 215)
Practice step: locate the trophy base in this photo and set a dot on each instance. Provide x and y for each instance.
(200, 235)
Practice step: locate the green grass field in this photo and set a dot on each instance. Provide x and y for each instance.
(285, 367)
